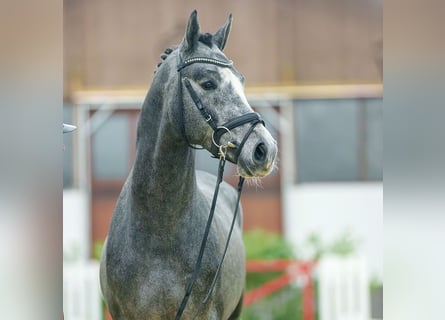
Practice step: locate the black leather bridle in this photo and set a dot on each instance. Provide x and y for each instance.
(218, 131)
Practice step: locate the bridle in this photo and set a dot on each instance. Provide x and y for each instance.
(218, 131)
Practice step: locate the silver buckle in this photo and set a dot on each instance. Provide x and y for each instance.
(223, 147)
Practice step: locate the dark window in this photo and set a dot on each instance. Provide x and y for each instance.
(374, 124)
(111, 153)
(338, 140)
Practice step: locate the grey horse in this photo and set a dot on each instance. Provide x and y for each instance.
(160, 216)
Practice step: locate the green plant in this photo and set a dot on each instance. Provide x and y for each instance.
(72, 253)
(345, 244)
(265, 245)
(286, 303)
(97, 249)
(283, 304)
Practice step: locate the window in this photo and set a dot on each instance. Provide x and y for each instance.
(374, 138)
(111, 151)
(338, 140)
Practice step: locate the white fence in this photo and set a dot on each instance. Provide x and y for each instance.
(343, 292)
(82, 299)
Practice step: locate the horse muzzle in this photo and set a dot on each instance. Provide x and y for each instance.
(257, 159)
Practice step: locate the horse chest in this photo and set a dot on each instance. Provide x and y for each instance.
(155, 288)
(161, 263)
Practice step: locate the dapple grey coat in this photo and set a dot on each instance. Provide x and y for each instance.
(160, 216)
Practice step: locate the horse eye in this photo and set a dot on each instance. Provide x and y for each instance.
(208, 85)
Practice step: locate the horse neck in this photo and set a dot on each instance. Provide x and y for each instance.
(163, 176)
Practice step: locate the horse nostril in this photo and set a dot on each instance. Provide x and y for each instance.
(260, 152)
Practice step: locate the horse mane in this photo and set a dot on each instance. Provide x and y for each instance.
(205, 38)
(164, 56)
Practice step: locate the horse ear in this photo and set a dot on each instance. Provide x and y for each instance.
(192, 32)
(222, 34)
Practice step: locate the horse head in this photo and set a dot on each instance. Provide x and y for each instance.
(213, 109)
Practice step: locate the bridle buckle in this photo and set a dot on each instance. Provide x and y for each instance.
(222, 152)
(223, 147)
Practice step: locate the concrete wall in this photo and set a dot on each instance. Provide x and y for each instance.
(76, 225)
(331, 209)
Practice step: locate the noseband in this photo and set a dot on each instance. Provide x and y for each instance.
(218, 131)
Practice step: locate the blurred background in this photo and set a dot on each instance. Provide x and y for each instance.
(313, 70)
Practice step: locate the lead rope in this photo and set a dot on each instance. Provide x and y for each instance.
(252, 118)
(194, 276)
(240, 189)
(218, 270)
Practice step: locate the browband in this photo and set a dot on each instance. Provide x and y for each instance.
(190, 61)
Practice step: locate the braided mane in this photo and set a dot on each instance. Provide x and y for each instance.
(205, 38)
(164, 56)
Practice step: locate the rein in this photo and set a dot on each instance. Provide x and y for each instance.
(218, 131)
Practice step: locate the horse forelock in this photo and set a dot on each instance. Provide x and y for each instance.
(205, 38)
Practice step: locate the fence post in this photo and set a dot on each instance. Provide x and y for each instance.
(308, 300)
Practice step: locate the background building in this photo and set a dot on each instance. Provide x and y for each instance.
(312, 68)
